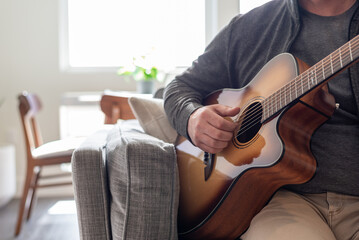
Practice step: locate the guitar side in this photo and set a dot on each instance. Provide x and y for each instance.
(247, 173)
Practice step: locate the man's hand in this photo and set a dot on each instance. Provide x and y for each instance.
(209, 130)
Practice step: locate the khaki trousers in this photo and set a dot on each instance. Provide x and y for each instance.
(327, 216)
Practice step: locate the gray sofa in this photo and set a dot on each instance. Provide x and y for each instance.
(126, 185)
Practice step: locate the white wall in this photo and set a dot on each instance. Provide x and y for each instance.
(29, 60)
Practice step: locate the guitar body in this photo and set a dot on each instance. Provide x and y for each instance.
(256, 164)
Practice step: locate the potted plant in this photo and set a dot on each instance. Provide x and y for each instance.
(141, 71)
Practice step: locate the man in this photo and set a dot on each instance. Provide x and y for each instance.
(326, 207)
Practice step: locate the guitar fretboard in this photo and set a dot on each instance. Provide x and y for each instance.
(311, 78)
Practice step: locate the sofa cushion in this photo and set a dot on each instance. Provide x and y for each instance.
(144, 185)
(152, 117)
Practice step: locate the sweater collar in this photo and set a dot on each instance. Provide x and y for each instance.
(293, 8)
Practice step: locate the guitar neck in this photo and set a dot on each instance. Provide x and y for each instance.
(322, 71)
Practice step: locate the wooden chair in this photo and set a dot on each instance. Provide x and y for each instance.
(115, 106)
(39, 155)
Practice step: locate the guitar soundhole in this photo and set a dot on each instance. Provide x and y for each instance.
(250, 124)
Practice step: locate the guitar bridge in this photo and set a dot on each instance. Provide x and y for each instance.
(208, 161)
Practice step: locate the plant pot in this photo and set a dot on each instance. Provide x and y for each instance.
(146, 86)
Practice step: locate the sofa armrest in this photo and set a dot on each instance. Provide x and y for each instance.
(126, 185)
(91, 187)
(144, 185)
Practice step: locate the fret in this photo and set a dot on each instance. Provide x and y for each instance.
(269, 113)
(307, 86)
(350, 51)
(273, 104)
(355, 50)
(318, 73)
(288, 95)
(327, 68)
(340, 58)
(265, 112)
(270, 106)
(346, 56)
(265, 109)
(310, 79)
(279, 105)
(286, 100)
(301, 81)
(296, 93)
(284, 95)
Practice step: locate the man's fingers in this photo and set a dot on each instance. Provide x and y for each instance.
(218, 120)
(226, 111)
(210, 145)
(219, 134)
(209, 129)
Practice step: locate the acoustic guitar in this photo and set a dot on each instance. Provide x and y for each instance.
(280, 110)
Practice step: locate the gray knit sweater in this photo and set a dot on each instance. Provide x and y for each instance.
(235, 56)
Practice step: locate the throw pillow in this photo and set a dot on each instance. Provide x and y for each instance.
(152, 118)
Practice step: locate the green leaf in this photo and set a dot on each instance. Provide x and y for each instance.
(139, 73)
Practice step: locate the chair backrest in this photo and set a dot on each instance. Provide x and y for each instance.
(115, 107)
(29, 106)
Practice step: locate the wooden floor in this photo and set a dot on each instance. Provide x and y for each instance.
(44, 224)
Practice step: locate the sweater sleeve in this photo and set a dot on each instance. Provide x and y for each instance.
(208, 73)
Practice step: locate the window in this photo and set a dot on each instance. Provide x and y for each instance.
(246, 6)
(109, 33)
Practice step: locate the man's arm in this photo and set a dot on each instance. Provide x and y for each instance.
(185, 94)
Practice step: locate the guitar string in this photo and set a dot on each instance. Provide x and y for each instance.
(344, 55)
(256, 113)
(307, 74)
(279, 92)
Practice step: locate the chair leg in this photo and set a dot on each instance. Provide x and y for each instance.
(24, 203)
(32, 196)
(34, 182)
